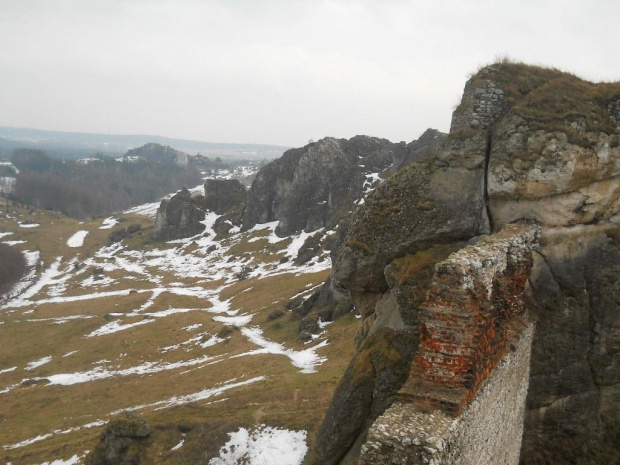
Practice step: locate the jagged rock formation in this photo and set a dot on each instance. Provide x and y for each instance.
(179, 217)
(320, 184)
(227, 198)
(525, 143)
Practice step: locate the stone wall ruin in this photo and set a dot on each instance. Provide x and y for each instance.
(473, 362)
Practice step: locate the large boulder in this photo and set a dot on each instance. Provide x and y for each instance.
(121, 443)
(223, 195)
(179, 217)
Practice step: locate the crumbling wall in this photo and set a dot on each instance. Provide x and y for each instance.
(480, 107)
(470, 378)
(488, 431)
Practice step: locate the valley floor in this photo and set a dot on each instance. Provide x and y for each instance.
(166, 330)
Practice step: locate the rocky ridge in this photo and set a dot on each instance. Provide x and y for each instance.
(319, 185)
(525, 143)
(157, 153)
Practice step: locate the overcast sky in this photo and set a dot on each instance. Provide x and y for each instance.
(277, 71)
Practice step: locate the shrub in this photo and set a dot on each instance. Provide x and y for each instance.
(12, 267)
(244, 273)
(276, 314)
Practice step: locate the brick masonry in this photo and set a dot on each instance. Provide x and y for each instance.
(469, 381)
(487, 432)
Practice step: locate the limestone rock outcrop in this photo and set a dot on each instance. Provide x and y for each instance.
(525, 143)
(320, 184)
(179, 217)
(223, 195)
(121, 442)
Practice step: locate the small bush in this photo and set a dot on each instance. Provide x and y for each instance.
(244, 273)
(133, 228)
(275, 314)
(12, 267)
(359, 245)
(225, 332)
(117, 236)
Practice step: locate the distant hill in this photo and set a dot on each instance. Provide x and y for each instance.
(78, 145)
(156, 153)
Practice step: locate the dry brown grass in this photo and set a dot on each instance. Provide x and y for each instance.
(289, 398)
(548, 97)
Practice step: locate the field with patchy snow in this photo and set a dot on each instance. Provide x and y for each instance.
(166, 330)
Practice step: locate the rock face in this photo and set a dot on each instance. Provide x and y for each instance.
(179, 217)
(525, 143)
(223, 195)
(318, 185)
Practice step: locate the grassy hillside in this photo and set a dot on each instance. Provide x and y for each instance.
(167, 331)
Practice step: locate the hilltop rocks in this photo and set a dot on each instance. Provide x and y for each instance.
(225, 197)
(318, 185)
(179, 217)
(159, 154)
(164, 154)
(425, 146)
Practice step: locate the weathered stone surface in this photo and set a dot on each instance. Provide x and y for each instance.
(318, 185)
(179, 217)
(423, 147)
(573, 414)
(464, 323)
(544, 176)
(365, 391)
(223, 195)
(421, 205)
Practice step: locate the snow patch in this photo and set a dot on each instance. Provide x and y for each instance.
(77, 240)
(38, 363)
(307, 360)
(263, 446)
(108, 223)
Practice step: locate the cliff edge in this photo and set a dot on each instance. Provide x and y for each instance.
(526, 143)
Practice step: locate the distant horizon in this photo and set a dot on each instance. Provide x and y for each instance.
(91, 133)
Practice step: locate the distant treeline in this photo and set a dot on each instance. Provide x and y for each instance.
(98, 187)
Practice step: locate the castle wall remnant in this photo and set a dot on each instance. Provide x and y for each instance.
(480, 107)
(464, 400)
(488, 431)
